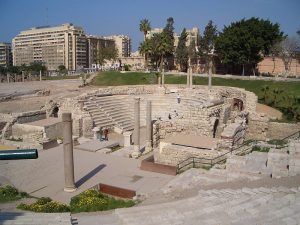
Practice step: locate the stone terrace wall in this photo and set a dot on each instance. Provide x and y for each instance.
(257, 127)
(173, 154)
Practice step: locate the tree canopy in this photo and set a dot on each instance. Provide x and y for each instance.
(145, 26)
(109, 52)
(246, 42)
(182, 54)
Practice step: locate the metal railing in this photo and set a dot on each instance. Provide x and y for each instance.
(245, 148)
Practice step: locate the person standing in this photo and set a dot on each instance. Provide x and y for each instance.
(178, 98)
(106, 134)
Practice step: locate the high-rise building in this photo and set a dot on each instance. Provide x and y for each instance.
(123, 44)
(60, 45)
(95, 45)
(5, 54)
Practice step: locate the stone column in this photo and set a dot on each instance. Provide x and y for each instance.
(159, 81)
(210, 73)
(7, 75)
(68, 153)
(191, 79)
(40, 75)
(163, 77)
(188, 79)
(23, 79)
(148, 127)
(136, 131)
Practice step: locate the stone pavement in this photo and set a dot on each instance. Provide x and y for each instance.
(45, 175)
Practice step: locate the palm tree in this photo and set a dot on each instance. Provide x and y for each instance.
(145, 27)
(145, 49)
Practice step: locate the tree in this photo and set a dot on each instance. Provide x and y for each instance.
(168, 38)
(192, 52)
(145, 49)
(287, 52)
(145, 27)
(182, 55)
(37, 67)
(62, 69)
(109, 52)
(244, 43)
(207, 42)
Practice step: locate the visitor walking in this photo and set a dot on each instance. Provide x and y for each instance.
(178, 98)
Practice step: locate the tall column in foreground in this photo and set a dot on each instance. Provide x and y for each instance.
(136, 132)
(68, 153)
(148, 127)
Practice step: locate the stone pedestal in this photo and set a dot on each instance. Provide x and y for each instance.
(68, 153)
(127, 138)
(96, 131)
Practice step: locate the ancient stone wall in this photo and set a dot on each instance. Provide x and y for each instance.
(257, 127)
(27, 117)
(173, 154)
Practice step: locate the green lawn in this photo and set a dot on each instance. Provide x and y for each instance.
(135, 78)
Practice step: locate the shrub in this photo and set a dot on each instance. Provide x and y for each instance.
(260, 149)
(277, 142)
(92, 200)
(9, 193)
(45, 205)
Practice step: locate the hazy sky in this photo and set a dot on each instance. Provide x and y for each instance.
(108, 17)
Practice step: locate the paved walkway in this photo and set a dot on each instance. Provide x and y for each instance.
(45, 175)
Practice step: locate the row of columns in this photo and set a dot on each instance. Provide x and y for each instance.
(23, 77)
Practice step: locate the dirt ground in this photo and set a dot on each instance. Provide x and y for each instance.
(24, 97)
(269, 111)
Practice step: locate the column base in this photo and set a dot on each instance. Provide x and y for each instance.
(70, 189)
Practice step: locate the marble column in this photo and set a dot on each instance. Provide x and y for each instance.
(148, 127)
(188, 79)
(210, 73)
(7, 75)
(23, 78)
(136, 131)
(191, 78)
(68, 153)
(163, 77)
(159, 81)
(40, 75)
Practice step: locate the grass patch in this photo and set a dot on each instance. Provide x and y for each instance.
(115, 148)
(277, 142)
(92, 200)
(260, 149)
(45, 205)
(9, 193)
(65, 77)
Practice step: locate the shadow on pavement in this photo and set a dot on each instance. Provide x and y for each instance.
(89, 175)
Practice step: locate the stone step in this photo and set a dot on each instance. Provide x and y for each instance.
(103, 219)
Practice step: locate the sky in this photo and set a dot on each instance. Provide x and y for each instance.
(99, 17)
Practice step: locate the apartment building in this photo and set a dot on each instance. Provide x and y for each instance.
(123, 44)
(192, 35)
(95, 45)
(59, 45)
(5, 54)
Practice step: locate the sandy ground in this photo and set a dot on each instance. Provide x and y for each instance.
(269, 111)
(58, 89)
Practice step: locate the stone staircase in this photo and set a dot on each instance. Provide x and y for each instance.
(273, 206)
(111, 111)
(26, 218)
